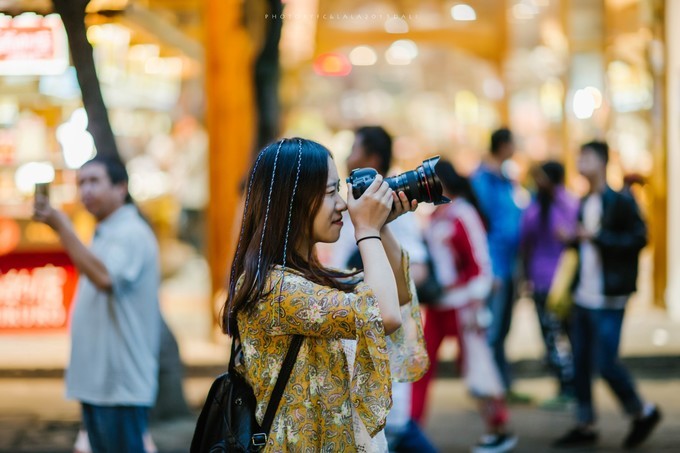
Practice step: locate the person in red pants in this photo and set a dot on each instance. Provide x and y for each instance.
(457, 241)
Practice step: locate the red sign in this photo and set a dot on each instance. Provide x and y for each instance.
(36, 290)
(332, 64)
(32, 45)
(10, 235)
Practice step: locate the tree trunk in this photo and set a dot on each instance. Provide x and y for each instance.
(72, 13)
(267, 78)
(171, 402)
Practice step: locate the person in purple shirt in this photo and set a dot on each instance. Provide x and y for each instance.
(546, 225)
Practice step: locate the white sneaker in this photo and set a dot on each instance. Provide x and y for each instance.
(495, 443)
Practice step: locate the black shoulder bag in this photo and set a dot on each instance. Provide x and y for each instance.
(227, 421)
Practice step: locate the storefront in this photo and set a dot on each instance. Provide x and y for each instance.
(154, 93)
(37, 280)
(379, 64)
(442, 75)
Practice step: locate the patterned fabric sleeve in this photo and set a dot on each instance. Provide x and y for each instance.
(303, 307)
(406, 346)
(371, 380)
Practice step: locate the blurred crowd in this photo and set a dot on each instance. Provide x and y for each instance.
(577, 258)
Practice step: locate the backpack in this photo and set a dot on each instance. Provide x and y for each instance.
(227, 420)
(430, 290)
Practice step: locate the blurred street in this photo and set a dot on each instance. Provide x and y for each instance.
(530, 104)
(36, 418)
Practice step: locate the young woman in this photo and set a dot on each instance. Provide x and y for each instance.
(279, 289)
(458, 244)
(548, 223)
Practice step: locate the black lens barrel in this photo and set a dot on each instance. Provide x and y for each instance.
(421, 184)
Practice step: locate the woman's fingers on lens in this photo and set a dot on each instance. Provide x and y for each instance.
(400, 202)
(403, 200)
(397, 205)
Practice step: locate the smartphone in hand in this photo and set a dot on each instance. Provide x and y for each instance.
(42, 192)
(42, 188)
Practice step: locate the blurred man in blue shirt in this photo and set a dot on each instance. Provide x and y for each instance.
(497, 195)
(116, 321)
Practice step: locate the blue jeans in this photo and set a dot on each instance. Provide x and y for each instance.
(501, 303)
(409, 439)
(115, 429)
(596, 335)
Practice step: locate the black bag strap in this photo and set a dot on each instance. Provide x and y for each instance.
(259, 439)
(281, 382)
(233, 353)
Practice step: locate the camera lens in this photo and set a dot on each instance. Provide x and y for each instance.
(421, 184)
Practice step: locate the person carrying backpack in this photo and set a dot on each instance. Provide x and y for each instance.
(279, 291)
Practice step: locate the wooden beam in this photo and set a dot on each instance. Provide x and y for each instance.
(503, 40)
(479, 41)
(179, 5)
(659, 180)
(230, 121)
(568, 156)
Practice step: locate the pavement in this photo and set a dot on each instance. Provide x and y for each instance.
(35, 417)
(648, 333)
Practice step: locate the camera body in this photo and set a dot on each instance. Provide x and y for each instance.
(361, 178)
(421, 184)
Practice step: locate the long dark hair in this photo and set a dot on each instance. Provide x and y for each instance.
(284, 193)
(545, 196)
(458, 186)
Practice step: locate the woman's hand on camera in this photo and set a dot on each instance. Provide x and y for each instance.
(401, 206)
(370, 211)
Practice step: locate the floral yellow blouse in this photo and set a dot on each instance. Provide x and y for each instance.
(315, 414)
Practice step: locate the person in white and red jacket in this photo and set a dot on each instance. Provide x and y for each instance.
(459, 249)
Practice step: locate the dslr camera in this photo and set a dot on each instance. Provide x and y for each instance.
(421, 184)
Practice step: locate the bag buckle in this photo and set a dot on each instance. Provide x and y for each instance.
(259, 440)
